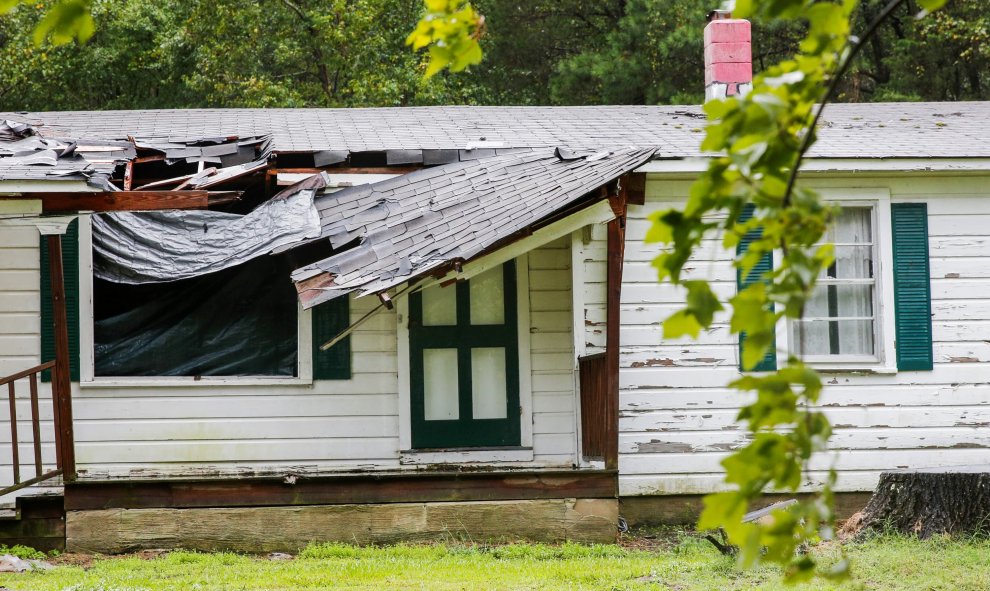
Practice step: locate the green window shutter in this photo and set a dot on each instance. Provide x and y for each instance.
(912, 287)
(329, 320)
(769, 363)
(70, 266)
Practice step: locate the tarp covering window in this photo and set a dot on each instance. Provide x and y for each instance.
(240, 321)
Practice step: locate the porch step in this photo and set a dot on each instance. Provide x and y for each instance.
(34, 520)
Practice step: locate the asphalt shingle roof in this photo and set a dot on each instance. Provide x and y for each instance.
(411, 224)
(867, 130)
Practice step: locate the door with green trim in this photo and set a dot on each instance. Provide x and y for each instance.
(464, 363)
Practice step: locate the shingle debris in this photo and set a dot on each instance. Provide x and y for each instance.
(26, 155)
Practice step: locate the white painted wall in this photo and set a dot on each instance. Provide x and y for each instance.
(20, 347)
(326, 425)
(677, 419)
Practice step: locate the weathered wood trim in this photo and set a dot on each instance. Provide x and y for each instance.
(615, 253)
(293, 490)
(633, 186)
(39, 523)
(73, 201)
(594, 398)
(524, 351)
(61, 386)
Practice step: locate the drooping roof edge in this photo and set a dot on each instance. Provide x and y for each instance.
(454, 214)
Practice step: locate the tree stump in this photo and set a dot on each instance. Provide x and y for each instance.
(931, 501)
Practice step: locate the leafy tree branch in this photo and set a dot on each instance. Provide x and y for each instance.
(761, 139)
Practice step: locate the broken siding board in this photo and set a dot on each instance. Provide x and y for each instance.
(695, 484)
(911, 438)
(660, 421)
(846, 460)
(898, 418)
(863, 394)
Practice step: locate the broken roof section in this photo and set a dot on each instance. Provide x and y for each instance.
(428, 220)
(26, 155)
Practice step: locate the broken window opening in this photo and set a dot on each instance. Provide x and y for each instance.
(241, 321)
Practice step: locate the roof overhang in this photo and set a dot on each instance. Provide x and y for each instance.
(845, 165)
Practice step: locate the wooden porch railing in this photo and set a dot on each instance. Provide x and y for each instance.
(10, 381)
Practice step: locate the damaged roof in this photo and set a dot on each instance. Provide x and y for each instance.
(863, 130)
(27, 154)
(415, 223)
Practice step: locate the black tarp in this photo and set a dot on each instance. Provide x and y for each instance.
(240, 321)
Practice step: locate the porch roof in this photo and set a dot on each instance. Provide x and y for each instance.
(395, 230)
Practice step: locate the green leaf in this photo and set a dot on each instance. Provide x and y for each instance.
(8, 5)
(449, 29)
(931, 5)
(680, 324)
(702, 302)
(65, 21)
(720, 508)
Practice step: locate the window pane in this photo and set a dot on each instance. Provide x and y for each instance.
(833, 301)
(488, 396)
(440, 384)
(440, 306)
(853, 225)
(851, 262)
(488, 297)
(834, 337)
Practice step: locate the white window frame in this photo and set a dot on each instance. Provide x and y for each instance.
(88, 379)
(885, 360)
(523, 453)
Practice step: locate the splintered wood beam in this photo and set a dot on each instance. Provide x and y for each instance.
(223, 197)
(68, 202)
(309, 290)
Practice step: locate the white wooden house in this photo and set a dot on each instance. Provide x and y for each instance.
(496, 367)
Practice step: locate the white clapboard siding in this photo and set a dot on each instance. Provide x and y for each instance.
(187, 429)
(677, 417)
(20, 348)
(551, 354)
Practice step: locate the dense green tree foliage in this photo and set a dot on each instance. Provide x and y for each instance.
(189, 53)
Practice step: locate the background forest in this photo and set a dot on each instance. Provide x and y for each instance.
(336, 53)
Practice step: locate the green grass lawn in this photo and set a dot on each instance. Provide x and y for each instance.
(677, 563)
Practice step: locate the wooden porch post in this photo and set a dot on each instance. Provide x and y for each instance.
(613, 291)
(61, 386)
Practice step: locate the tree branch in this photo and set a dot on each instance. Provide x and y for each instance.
(833, 85)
